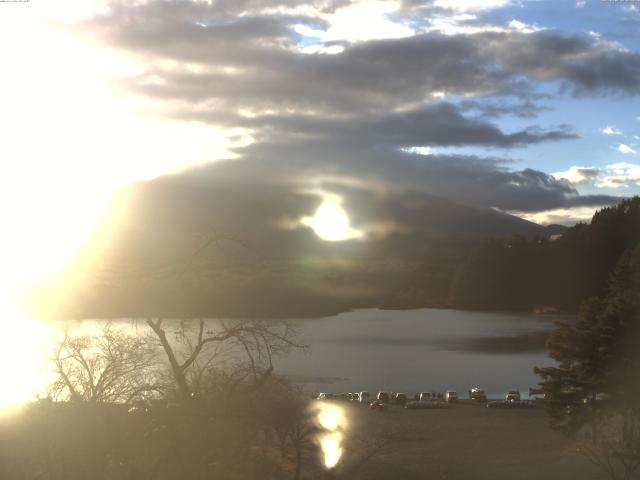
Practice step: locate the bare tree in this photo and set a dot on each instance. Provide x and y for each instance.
(110, 366)
(257, 341)
(616, 451)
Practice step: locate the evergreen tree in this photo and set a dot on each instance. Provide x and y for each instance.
(597, 356)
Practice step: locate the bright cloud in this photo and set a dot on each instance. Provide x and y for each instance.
(460, 24)
(620, 175)
(561, 216)
(368, 20)
(622, 148)
(425, 150)
(465, 5)
(611, 130)
(578, 175)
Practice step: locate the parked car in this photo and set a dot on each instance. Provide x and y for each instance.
(476, 394)
(400, 399)
(425, 397)
(377, 405)
(512, 396)
(326, 396)
(383, 397)
(451, 396)
(364, 397)
(416, 405)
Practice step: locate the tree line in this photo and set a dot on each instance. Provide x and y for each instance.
(522, 273)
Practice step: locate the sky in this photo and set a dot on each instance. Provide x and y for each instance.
(526, 107)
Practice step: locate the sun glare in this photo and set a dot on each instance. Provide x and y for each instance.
(22, 357)
(69, 142)
(331, 222)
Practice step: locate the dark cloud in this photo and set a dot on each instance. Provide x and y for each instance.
(434, 124)
(465, 179)
(375, 74)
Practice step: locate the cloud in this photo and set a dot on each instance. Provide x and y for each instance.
(623, 148)
(365, 20)
(468, 24)
(619, 175)
(578, 175)
(467, 5)
(368, 108)
(610, 130)
(466, 179)
(562, 216)
(247, 60)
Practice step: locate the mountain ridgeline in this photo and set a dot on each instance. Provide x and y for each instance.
(207, 244)
(520, 273)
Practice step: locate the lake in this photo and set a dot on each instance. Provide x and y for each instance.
(395, 350)
(420, 350)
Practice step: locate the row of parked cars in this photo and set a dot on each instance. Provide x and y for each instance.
(384, 398)
(420, 400)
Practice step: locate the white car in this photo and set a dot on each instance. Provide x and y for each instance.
(365, 397)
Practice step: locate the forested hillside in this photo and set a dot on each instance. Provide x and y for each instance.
(522, 273)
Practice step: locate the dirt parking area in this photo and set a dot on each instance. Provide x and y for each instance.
(467, 441)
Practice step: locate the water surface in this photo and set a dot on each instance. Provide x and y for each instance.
(420, 350)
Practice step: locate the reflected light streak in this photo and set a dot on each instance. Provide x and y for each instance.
(332, 419)
(331, 448)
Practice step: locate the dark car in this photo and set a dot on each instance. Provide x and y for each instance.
(384, 397)
(400, 399)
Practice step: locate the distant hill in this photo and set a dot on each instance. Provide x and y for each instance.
(178, 211)
(260, 262)
(555, 229)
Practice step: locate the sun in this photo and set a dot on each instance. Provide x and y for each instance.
(331, 222)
